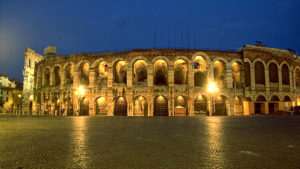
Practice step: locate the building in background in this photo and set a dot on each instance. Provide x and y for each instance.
(162, 82)
(10, 95)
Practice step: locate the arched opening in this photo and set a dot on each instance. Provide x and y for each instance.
(238, 106)
(236, 74)
(100, 105)
(219, 73)
(180, 72)
(247, 74)
(274, 104)
(84, 73)
(259, 73)
(68, 104)
(200, 71)
(161, 106)
(260, 105)
(297, 73)
(102, 73)
(298, 101)
(273, 73)
(200, 105)
(47, 77)
(57, 75)
(140, 106)
(140, 72)
(69, 74)
(287, 103)
(56, 102)
(180, 106)
(84, 107)
(120, 72)
(221, 106)
(120, 107)
(160, 73)
(285, 75)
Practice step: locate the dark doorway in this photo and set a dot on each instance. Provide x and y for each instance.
(120, 107)
(161, 106)
(30, 107)
(258, 108)
(84, 107)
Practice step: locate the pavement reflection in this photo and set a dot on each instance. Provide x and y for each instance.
(80, 154)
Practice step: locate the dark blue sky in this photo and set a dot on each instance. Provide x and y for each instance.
(75, 26)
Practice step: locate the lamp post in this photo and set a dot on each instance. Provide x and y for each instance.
(79, 92)
(213, 90)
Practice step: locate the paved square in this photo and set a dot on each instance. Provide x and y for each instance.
(152, 142)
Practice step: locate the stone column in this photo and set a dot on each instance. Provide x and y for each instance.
(75, 105)
(150, 75)
(191, 105)
(92, 78)
(210, 105)
(252, 75)
(171, 75)
(190, 75)
(130, 102)
(228, 77)
(280, 79)
(91, 97)
(63, 79)
(110, 100)
(129, 76)
(230, 104)
(110, 76)
(61, 102)
(267, 80)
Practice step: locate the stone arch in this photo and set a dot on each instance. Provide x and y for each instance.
(200, 66)
(162, 58)
(297, 76)
(96, 62)
(160, 72)
(101, 106)
(120, 108)
(181, 106)
(140, 106)
(120, 71)
(237, 75)
(69, 72)
(46, 76)
(84, 107)
(238, 106)
(200, 105)
(260, 104)
(221, 105)
(203, 55)
(287, 98)
(101, 72)
(273, 72)
(285, 74)
(219, 72)
(140, 72)
(259, 71)
(160, 106)
(57, 74)
(83, 68)
(180, 71)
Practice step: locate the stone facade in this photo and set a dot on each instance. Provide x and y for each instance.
(164, 82)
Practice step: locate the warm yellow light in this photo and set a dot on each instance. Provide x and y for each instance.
(31, 97)
(212, 88)
(81, 90)
(76, 92)
(19, 95)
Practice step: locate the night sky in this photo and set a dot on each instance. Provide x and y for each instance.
(75, 26)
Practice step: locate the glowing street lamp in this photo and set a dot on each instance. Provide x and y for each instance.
(213, 90)
(79, 92)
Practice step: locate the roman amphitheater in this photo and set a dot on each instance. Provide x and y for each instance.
(161, 82)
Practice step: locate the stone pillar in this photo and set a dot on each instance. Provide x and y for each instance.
(230, 104)
(92, 78)
(61, 102)
(191, 104)
(52, 79)
(110, 100)
(110, 76)
(63, 79)
(130, 102)
(252, 75)
(129, 76)
(76, 105)
(171, 75)
(150, 81)
(191, 79)
(42, 104)
(228, 77)
(210, 105)
(280, 79)
(267, 81)
(92, 111)
(150, 104)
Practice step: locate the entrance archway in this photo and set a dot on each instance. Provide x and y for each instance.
(161, 73)
(161, 106)
(260, 105)
(220, 106)
(238, 106)
(140, 106)
(274, 104)
(120, 107)
(84, 107)
(180, 72)
(180, 106)
(100, 105)
(200, 105)
(68, 106)
(200, 71)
